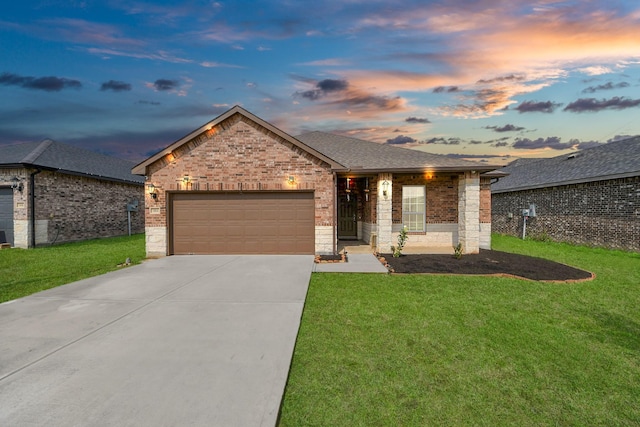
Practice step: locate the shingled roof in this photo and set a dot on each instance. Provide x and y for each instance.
(359, 155)
(64, 158)
(618, 159)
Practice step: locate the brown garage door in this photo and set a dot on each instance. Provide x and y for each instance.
(242, 223)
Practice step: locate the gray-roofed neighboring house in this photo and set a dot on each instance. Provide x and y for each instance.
(588, 197)
(51, 192)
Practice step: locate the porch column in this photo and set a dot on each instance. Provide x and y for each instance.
(384, 214)
(469, 212)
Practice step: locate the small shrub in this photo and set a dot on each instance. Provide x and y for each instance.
(402, 239)
(458, 251)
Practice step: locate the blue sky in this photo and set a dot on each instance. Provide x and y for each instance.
(485, 79)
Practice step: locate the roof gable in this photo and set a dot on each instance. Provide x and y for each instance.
(609, 161)
(141, 168)
(358, 154)
(65, 158)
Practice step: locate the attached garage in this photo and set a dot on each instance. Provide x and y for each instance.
(242, 222)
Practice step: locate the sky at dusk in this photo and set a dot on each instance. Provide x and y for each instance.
(487, 79)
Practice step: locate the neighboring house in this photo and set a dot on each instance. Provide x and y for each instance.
(52, 192)
(240, 185)
(589, 197)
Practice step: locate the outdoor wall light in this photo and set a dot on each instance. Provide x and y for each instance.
(152, 191)
(291, 180)
(16, 184)
(385, 188)
(366, 189)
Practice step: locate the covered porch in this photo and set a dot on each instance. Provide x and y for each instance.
(372, 209)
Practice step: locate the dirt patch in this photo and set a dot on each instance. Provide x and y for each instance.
(486, 262)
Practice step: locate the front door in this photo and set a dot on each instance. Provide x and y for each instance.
(347, 218)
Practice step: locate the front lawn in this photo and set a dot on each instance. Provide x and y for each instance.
(26, 271)
(456, 350)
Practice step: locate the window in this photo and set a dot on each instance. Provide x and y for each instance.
(413, 207)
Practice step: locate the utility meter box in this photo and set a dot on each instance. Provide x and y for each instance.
(132, 206)
(525, 212)
(532, 210)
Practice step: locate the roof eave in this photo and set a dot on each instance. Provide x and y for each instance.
(423, 169)
(570, 182)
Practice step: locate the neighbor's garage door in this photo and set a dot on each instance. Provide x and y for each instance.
(6, 214)
(242, 223)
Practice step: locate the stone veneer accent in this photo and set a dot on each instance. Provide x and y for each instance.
(156, 241)
(240, 155)
(602, 213)
(384, 212)
(469, 212)
(324, 239)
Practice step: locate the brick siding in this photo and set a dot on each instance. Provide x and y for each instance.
(235, 155)
(442, 197)
(80, 208)
(602, 213)
(71, 208)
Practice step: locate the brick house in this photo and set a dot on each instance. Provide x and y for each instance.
(52, 192)
(240, 185)
(590, 197)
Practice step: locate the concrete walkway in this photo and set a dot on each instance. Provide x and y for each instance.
(192, 340)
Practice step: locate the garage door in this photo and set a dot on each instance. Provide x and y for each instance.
(242, 223)
(6, 214)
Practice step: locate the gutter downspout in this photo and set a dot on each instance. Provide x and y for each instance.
(32, 201)
(335, 213)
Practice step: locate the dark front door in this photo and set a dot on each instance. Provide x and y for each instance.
(6, 214)
(347, 221)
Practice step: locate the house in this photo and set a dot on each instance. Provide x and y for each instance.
(588, 197)
(52, 192)
(240, 185)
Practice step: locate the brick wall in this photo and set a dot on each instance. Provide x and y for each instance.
(442, 197)
(602, 213)
(485, 200)
(76, 208)
(238, 154)
(71, 208)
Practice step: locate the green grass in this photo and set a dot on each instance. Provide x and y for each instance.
(380, 350)
(26, 271)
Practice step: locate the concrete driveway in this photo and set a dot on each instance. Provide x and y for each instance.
(177, 341)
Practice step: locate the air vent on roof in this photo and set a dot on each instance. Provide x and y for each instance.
(572, 156)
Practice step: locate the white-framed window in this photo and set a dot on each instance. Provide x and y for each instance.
(413, 207)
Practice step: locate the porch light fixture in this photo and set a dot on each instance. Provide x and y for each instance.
(291, 180)
(151, 189)
(366, 189)
(385, 188)
(16, 184)
(348, 189)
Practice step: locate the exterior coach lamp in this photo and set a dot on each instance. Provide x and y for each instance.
(291, 180)
(152, 191)
(348, 189)
(366, 189)
(16, 184)
(385, 188)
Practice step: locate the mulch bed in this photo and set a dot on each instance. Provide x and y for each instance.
(487, 262)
